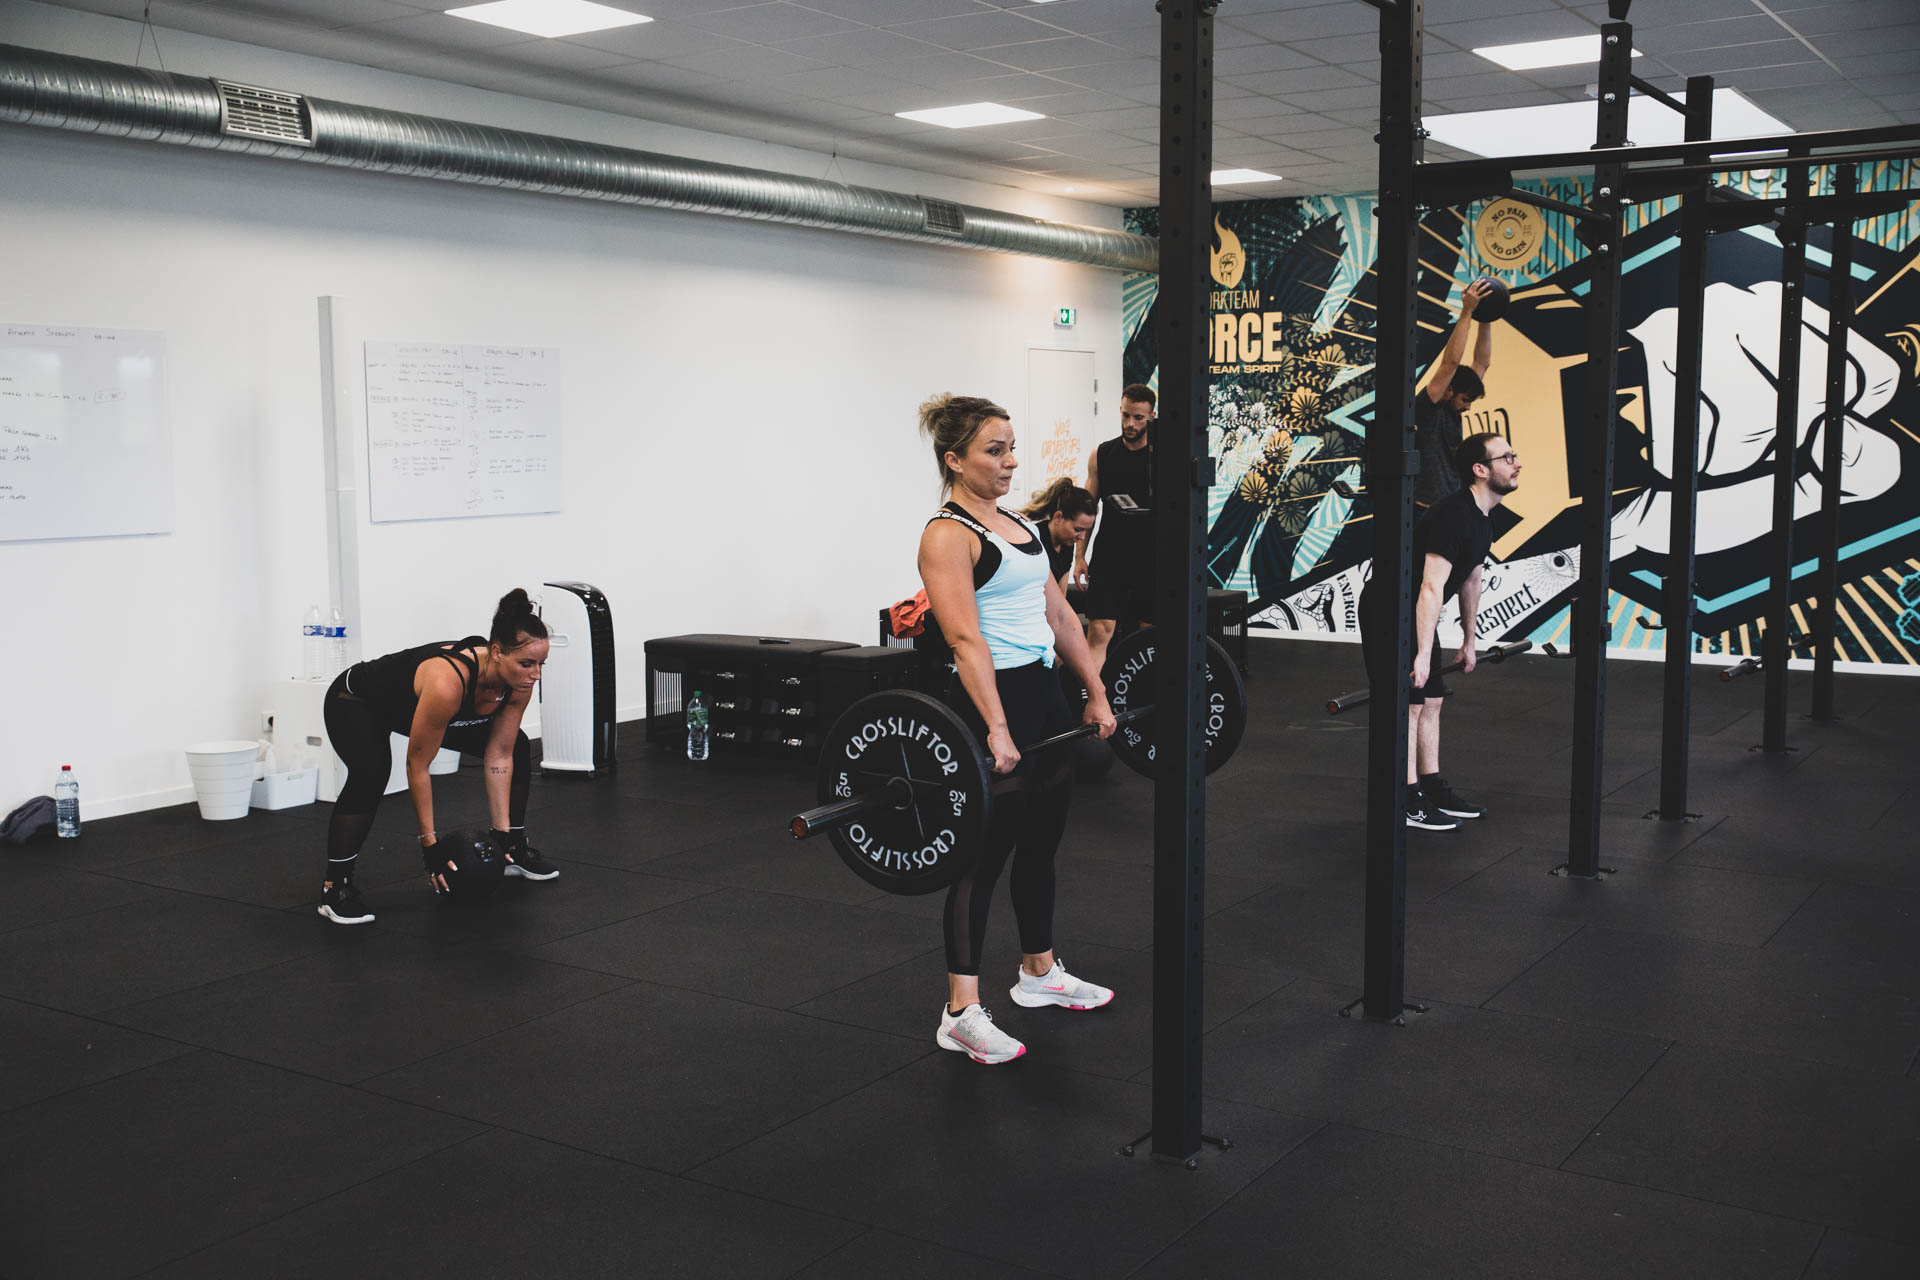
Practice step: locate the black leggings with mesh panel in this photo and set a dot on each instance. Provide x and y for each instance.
(1027, 823)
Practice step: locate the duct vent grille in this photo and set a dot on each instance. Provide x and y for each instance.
(947, 219)
(248, 111)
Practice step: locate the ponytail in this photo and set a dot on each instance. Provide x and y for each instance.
(1063, 496)
(516, 622)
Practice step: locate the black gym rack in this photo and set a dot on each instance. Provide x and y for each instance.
(1623, 175)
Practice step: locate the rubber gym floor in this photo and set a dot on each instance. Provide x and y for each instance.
(706, 1050)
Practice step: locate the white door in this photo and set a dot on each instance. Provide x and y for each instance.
(1058, 433)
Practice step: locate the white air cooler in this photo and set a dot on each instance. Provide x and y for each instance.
(576, 688)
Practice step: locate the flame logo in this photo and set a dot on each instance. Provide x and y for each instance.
(1229, 263)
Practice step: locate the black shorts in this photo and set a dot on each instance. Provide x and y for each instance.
(1376, 647)
(1121, 591)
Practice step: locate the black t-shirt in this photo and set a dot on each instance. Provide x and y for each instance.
(1436, 432)
(1456, 530)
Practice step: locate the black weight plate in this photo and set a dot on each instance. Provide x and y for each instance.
(937, 838)
(1131, 682)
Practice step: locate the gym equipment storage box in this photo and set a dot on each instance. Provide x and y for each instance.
(761, 691)
(847, 675)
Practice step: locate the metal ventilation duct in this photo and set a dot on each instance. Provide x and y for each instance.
(65, 92)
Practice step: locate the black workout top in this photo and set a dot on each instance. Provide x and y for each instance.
(1436, 431)
(1124, 535)
(386, 683)
(1059, 559)
(1456, 530)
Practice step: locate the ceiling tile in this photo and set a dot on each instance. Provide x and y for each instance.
(1258, 60)
(331, 13)
(1058, 53)
(940, 69)
(831, 82)
(1843, 44)
(982, 29)
(1072, 101)
(558, 55)
(859, 46)
(1313, 23)
(880, 13)
(1685, 37)
(1769, 53)
(656, 40)
(1128, 78)
(438, 31)
(1814, 20)
(769, 23)
(1866, 66)
(746, 61)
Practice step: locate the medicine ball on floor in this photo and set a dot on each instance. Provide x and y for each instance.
(472, 863)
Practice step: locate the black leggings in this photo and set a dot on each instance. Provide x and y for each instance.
(1029, 820)
(361, 739)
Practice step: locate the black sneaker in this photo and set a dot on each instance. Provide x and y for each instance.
(342, 905)
(1446, 800)
(1421, 813)
(523, 859)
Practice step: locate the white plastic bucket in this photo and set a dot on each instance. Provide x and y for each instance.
(222, 777)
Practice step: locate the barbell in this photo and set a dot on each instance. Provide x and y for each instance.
(1496, 654)
(907, 792)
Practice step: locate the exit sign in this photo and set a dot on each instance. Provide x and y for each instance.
(1064, 318)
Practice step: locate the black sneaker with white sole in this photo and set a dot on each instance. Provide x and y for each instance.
(341, 904)
(1450, 802)
(523, 859)
(1422, 814)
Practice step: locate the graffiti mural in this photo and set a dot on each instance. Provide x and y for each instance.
(1291, 361)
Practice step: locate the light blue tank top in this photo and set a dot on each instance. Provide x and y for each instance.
(1012, 604)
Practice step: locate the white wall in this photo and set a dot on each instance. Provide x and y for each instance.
(740, 452)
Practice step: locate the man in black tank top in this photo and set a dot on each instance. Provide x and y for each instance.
(1120, 475)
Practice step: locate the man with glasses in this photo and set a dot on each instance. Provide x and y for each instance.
(1450, 388)
(1450, 543)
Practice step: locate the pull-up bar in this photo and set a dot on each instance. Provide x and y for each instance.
(1740, 153)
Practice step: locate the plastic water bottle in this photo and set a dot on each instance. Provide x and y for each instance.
(313, 643)
(696, 727)
(66, 804)
(336, 644)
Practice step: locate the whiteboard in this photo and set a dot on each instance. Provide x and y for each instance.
(461, 430)
(85, 447)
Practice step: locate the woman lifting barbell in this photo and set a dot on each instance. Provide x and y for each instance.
(466, 694)
(1006, 619)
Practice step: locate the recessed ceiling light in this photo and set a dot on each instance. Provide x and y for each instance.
(1570, 51)
(1236, 177)
(970, 115)
(1556, 126)
(550, 18)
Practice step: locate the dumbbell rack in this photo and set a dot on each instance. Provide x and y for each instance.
(763, 693)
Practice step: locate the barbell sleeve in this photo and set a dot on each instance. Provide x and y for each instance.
(895, 793)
